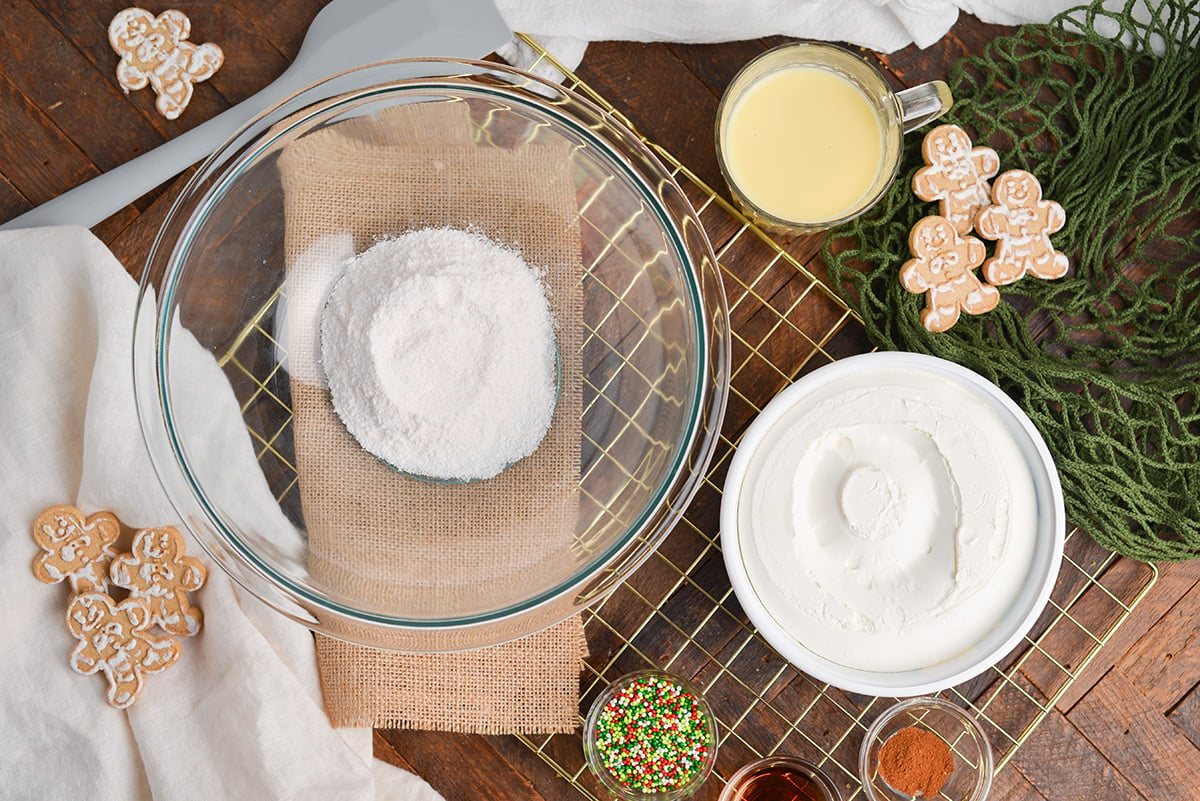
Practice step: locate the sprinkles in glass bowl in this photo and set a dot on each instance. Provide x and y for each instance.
(650, 735)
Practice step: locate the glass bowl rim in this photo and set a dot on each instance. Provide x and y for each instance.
(155, 413)
(727, 103)
(592, 757)
(730, 791)
(983, 773)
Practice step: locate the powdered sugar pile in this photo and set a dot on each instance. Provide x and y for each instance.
(438, 346)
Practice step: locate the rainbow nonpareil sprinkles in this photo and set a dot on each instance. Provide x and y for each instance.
(654, 735)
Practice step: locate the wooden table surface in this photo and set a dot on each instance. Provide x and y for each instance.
(1130, 726)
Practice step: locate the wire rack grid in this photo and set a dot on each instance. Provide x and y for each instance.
(678, 612)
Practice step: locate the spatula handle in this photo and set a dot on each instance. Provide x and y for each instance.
(346, 34)
(94, 200)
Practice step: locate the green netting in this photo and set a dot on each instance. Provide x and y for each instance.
(1106, 360)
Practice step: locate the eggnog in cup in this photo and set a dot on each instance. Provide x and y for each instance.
(809, 135)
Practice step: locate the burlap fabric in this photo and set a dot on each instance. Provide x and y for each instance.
(386, 542)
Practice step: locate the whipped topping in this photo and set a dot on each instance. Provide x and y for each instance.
(887, 520)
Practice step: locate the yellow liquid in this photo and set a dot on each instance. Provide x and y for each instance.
(804, 144)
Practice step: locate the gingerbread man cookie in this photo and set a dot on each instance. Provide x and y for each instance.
(160, 574)
(75, 547)
(155, 51)
(1021, 223)
(956, 175)
(113, 639)
(942, 267)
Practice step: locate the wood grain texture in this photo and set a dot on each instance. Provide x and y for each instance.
(11, 201)
(1177, 581)
(82, 98)
(661, 95)
(1066, 766)
(63, 119)
(459, 765)
(1186, 715)
(37, 159)
(1094, 610)
(1011, 785)
(1132, 734)
(1165, 662)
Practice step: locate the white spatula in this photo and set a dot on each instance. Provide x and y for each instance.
(344, 35)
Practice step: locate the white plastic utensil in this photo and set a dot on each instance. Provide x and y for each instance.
(345, 34)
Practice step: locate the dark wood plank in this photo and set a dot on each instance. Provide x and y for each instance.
(1186, 716)
(85, 25)
(461, 766)
(1165, 662)
(252, 59)
(109, 229)
(1063, 765)
(246, 35)
(1011, 785)
(1132, 734)
(85, 102)
(36, 158)
(386, 752)
(1066, 640)
(661, 97)
(12, 202)
(1176, 580)
(286, 22)
(716, 64)
(544, 779)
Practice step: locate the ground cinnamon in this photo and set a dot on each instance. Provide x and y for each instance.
(915, 762)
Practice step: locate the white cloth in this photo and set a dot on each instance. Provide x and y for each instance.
(565, 27)
(240, 715)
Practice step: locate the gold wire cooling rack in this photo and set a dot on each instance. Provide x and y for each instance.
(678, 612)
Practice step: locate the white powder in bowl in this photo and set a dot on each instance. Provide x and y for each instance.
(438, 346)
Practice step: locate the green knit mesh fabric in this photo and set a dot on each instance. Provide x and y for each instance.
(1106, 360)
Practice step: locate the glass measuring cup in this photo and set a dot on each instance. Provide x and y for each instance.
(786, 149)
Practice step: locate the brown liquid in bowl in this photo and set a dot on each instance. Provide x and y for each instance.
(779, 783)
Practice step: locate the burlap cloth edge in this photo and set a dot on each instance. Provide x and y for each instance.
(526, 686)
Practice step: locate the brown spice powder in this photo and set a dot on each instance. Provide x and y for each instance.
(915, 762)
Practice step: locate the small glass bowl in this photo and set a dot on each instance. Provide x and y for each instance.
(969, 746)
(743, 780)
(594, 752)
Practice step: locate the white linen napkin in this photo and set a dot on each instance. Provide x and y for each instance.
(564, 29)
(240, 715)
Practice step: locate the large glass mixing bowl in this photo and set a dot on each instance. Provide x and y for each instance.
(231, 390)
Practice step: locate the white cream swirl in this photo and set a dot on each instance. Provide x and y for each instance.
(887, 522)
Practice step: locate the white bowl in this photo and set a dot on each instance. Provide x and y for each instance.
(1011, 624)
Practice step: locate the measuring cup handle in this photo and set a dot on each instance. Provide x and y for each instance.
(923, 103)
